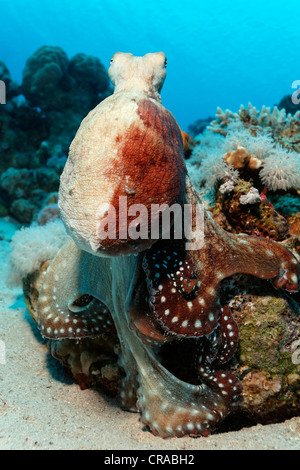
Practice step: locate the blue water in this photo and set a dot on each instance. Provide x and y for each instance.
(220, 53)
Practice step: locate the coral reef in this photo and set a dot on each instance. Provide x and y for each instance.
(257, 156)
(43, 77)
(163, 299)
(284, 128)
(38, 123)
(51, 81)
(34, 245)
(250, 167)
(257, 192)
(242, 210)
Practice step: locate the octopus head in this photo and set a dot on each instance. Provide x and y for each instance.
(127, 153)
(146, 74)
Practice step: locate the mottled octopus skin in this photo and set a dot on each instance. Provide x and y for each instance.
(169, 406)
(127, 289)
(140, 158)
(183, 286)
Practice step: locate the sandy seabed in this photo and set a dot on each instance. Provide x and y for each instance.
(41, 408)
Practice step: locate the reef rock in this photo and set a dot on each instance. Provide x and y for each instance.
(43, 76)
(53, 82)
(240, 213)
(269, 369)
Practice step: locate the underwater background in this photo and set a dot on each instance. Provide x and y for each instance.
(231, 66)
(221, 53)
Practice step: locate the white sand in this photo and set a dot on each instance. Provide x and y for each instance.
(40, 407)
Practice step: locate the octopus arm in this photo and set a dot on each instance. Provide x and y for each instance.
(216, 350)
(265, 259)
(184, 284)
(231, 254)
(67, 307)
(171, 407)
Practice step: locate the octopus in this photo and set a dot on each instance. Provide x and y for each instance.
(154, 292)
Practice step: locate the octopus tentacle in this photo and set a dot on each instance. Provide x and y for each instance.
(67, 307)
(142, 320)
(223, 382)
(171, 407)
(183, 287)
(176, 294)
(279, 264)
(216, 350)
(229, 334)
(219, 347)
(232, 254)
(127, 393)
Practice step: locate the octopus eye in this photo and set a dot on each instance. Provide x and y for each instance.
(165, 63)
(111, 61)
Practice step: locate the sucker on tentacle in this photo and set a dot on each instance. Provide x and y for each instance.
(66, 306)
(216, 351)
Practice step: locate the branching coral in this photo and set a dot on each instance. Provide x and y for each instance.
(266, 117)
(283, 127)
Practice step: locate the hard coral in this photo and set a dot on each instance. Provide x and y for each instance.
(27, 190)
(43, 74)
(49, 213)
(36, 131)
(240, 158)
(88, 72)
(53, 82)
(283, 127)
(252, 117)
